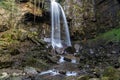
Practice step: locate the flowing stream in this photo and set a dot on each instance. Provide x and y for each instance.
(54, 72)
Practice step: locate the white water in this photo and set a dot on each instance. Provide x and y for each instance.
(60, 33)
(47, 40)
(52, 72)
(71, 73)
(73, 61)
(61, 60)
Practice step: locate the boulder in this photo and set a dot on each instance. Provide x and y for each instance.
(30, 70)
(83, 77)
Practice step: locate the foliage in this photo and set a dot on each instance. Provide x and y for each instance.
(8, 15)
(7, 38)
(8, 5)
(112, 35)
(110, 73)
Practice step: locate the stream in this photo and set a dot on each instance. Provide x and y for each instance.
(61, 63)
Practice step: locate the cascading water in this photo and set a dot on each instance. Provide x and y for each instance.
(60, 38)
(60, 33)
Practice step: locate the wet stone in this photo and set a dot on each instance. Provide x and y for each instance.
(67, 59)
(61, 60)
(70, 50)
(62, 72)
(15, 78)
(30, 70)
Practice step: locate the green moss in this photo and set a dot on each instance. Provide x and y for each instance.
(8, 5)
(111, 73)
(105, 78)
(37, 63)
(112, 35)
(7, 37)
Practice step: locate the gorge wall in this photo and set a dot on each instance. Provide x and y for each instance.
(88, 18)
(82, 17)
(107, 13)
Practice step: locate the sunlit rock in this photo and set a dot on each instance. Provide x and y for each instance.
(30, 70)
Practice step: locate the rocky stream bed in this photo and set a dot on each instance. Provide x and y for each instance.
(80, 62)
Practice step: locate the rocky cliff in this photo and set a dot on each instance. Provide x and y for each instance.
(22, 27)
(82, 17)
(91, 17)
(107, 13)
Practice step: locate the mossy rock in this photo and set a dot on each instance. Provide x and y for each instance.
(111, 73)
(35, 39)
(22, 35)
(8, 5)
(5, 57)
(112, 35)
(37, 63)
(84, 77)
(105, 78)
(8, 37)
(71, 78)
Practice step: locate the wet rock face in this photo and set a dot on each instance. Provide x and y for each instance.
(107, 13)
(91, 17)
(81, 15)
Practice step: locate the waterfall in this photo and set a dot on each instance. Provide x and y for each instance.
(60, 33)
